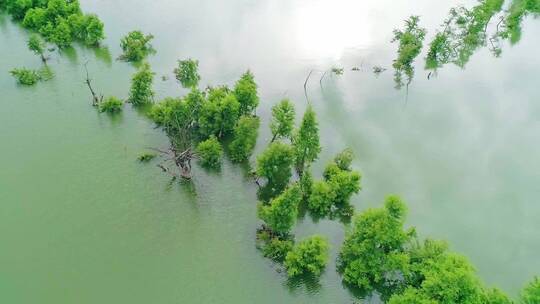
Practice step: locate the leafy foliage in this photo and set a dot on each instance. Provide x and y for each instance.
(306, 141)
(245, 138)
(282, 124)
(245, 91)
(464, 32)
(308, 257)
(512, 23)
(531, 292)
(332, 195)
(29, 77)
(281, 213)
(36, 44)
(25, 76)
(275, 163)
(219, 113)
(274, 247)
(210, 152)
(136, 46)
(374, 256)
(410, 44)
(59, 21)
(187, 73)
(141, 86)
(111, 105)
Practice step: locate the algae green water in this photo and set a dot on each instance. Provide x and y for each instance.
(81, 221)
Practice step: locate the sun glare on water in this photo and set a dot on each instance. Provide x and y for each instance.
(325, 28)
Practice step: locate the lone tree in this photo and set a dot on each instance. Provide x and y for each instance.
(141, 86)
(187, 73)
(246, 93)
(281, 213)
(245, 138)
(308, 257)
(136, 46)
(38, 46)
(306, 141)
(282, 123)
(275, 163)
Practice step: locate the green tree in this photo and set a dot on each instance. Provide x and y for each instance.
(306, 141)
(531, 292)
(61, 34)
(322, 198)
(35, 18)
(136, 46)
(187, 73)
(210, 152)
(246, 93)
(344, 159)
(141, 86)
(18, 8)
(275, 163)
(245, 138)
(281, 213)
(38, 46)
(219, 113)
(495, 296)
(308, 257)
(282, 123)
(87, 28)
(374, 254)
(111, 105)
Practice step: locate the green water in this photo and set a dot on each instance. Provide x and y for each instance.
(81, 221)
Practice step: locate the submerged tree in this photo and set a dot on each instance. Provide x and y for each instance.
(210, 152)
(410, 44)
(58, 21)
(275, 163)
(141, 86)
(187, 73)
(308, 257)
(136, 46)
(306, 141)
(245, 138)
(219, 113)
(374, 255)
(282, 124)
(25, 76)
(531, 293)
(111, 105)
(38, 46)
(281, 213)
(245, 91)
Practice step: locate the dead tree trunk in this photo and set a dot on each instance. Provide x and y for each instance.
(96, 99)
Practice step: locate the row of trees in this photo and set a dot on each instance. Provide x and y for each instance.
(59, 21)
(381, 256)
(461, 35)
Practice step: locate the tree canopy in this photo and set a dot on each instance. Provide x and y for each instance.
(310, 256)
(136, 46)
(187, 73)
(282, 123)
(281, 213)
(306, 141)
(245, 91)
(141, 86)
(245, 138)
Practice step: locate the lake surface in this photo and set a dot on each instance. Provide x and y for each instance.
(81, 221)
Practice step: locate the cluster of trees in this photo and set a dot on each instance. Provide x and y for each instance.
(295, 150)
(29, 77)
(379, 255)
(205, 118)
(59, 21)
